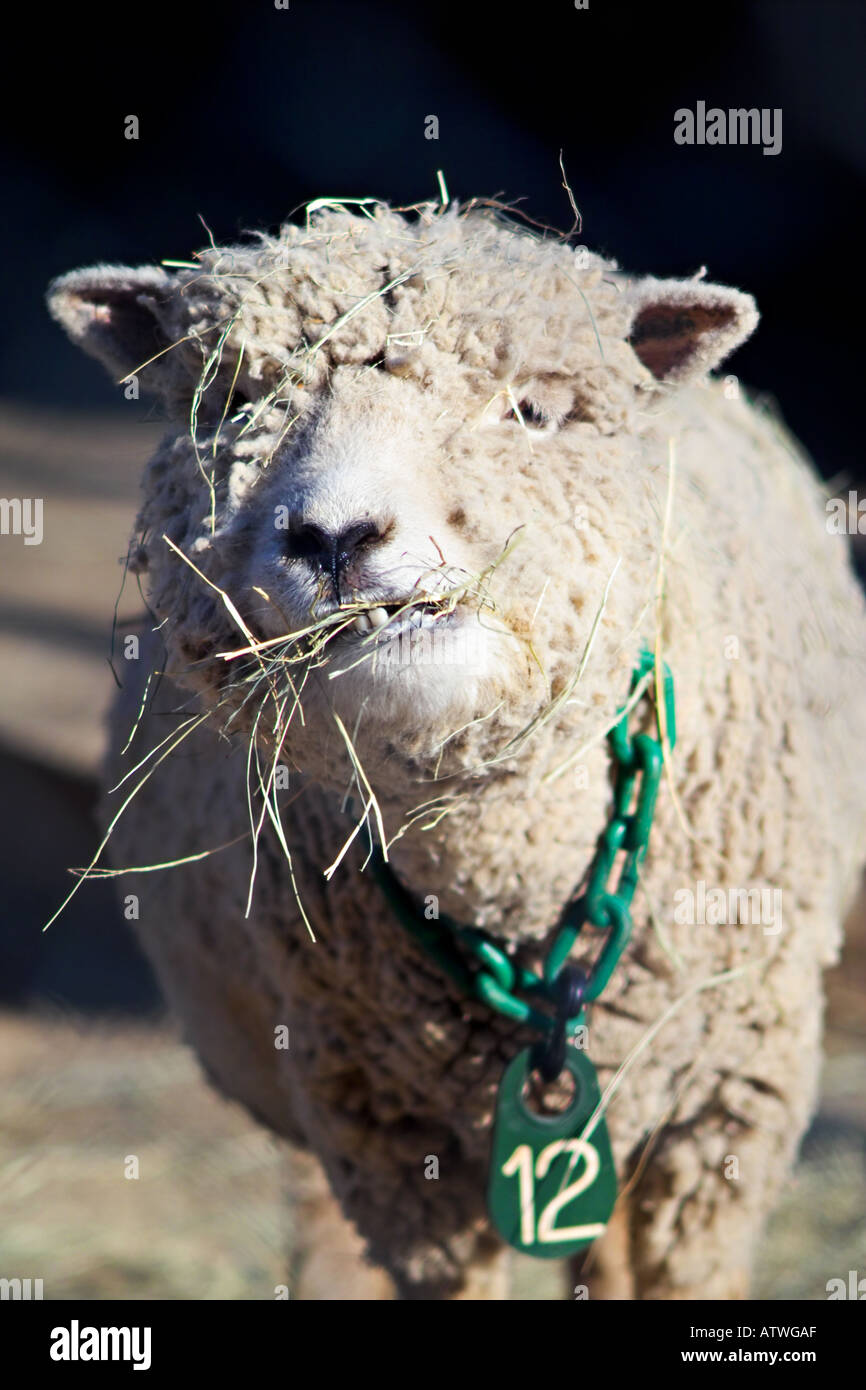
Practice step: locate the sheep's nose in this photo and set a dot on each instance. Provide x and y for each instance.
(331, 551)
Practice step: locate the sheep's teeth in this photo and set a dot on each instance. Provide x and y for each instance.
(362, 622)
(416, 619)
(378, 617)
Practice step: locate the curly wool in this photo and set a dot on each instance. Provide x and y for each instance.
(377, 324)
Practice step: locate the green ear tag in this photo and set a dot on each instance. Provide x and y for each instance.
(552, 1189)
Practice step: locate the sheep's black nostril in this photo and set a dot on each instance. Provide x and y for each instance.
(308, 542)
(331, 551)
(356, 537)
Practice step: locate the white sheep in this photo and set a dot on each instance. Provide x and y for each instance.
(481, 472)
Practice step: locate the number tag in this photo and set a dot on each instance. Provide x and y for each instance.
(552, 1186)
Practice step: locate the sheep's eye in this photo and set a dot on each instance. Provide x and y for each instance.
(532, 415)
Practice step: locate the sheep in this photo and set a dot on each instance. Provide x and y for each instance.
(386, 427)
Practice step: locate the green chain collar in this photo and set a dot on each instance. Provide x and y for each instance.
(497, 981)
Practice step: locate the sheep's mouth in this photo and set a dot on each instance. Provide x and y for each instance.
(391, 619)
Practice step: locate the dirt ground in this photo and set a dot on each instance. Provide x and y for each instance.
(91, 1074)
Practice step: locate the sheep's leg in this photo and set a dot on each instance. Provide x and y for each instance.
(327, 1258)
(728, 1286)
(605, 1271)
(694, 1230)
(701, 1201)
(488, 1276)
(330, 1265)
(613, 1271)
(472, 1268)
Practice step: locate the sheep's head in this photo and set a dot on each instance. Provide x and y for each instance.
(414, 441)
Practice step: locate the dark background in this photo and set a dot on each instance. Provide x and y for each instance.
(247, 111)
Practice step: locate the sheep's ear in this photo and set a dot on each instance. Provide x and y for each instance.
(681, 329)
(111, 312)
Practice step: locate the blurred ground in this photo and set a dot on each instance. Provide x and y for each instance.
(90, 1072)
(57, 598)
(207, 1215)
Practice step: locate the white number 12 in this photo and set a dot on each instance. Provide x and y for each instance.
(520, 1163)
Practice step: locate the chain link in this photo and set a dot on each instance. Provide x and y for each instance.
(499, 982)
